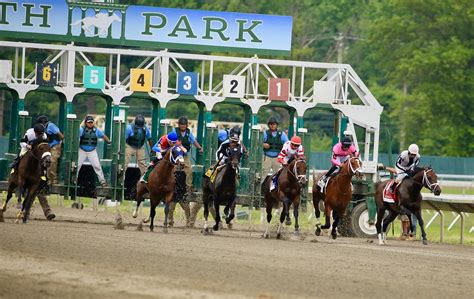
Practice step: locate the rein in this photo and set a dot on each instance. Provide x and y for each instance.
(350, 172)
(295, 171)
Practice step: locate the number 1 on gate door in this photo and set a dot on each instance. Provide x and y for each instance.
(278, 89)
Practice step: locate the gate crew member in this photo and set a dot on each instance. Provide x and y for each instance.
(340, 153)
(89, 134)
(135, 136)
(37, 132)
(55, 138)
(273, 140)
(291, 150)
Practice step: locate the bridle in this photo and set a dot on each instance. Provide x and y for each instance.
(425, 182)
(44, 155)
(301, 178)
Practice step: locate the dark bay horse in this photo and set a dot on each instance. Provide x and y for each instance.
(337, 196)
(292, 178)
(161, 184)
(409, 195)
(29, 176)
(223, 189)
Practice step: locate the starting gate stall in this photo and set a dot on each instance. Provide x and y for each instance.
(164, 76)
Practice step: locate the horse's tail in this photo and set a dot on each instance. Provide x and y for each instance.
(77, 22)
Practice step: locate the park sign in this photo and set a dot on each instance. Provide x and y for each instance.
(145, 26)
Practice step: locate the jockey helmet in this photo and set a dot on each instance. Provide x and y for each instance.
(234, 137)
(89, 119)
(42, 119)
(296, 140)
(235, 130)
(272, 120)
(413, 149)
(172, 137)
(139, 121)
(222, 135)
(182, 120)
(38, 128)
(346, 142)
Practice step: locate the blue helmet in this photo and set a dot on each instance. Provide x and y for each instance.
(222, 135)
(172, 136)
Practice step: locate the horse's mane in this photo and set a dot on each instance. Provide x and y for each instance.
(38, 141)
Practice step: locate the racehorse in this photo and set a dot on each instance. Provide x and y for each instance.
(161, 184)
(223, 189)
(408, 194)
(290, 181)
(29, 176)
(337, 196)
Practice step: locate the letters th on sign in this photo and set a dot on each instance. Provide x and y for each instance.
(140, 80)
(234, 86)
(47, 74)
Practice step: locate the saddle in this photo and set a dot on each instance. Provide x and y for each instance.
(388, 196)
(211, 173)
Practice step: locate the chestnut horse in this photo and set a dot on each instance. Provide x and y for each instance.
(337, 196)
(223, 189)
(408, 194)
(161, 184)
(290, 181)
(29, 176)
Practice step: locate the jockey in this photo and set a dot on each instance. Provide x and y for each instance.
(291, 150)
(160, 148)
(221, 154)
(406, 163)
(37, 132)
(340, 153)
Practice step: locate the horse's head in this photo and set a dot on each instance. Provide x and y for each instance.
(234, 153)
(177, 157)
(42, 152)
(298, 167)
(428, 179)
(353, 167)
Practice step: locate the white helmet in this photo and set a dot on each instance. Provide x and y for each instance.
(413, 149)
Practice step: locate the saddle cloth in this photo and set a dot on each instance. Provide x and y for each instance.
(389, 196)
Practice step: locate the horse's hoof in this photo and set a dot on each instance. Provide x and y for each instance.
(229, 225)
(146, 220)
(205, 231)
(135, 214)
(165, 230)
(318, 231)
(266, 236)
(215, 227)
(151, 230)
(425, 242)
(288, 222)
(334, 236)
(278, 236)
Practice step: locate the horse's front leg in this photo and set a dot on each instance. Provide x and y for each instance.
(386, 222)
(378, 225)
(11, 188)
(327, 215)
(27, 203)
(206, 212)
(417, 213)
(230, 213)
(218, 214)
(269, 207)
(317, 213)
(168, 199)
(296, 205)
(152, 213)
(337, 215)
(284, 213)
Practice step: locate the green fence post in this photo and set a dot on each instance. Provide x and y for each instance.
(155, 121)
(12, 140)
(291, 127)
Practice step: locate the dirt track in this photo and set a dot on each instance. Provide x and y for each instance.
(68, 258)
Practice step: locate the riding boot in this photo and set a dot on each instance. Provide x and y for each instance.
(14, 163)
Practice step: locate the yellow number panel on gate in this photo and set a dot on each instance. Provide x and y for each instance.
(140, 80)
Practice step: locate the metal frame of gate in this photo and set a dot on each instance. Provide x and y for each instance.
(362, 111)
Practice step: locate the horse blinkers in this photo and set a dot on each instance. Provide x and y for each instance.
(431, 180)
(234, 155)
(301, 177)
(43, 157)
(177, 158)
